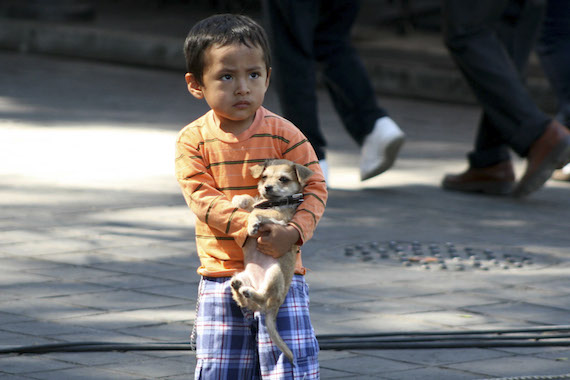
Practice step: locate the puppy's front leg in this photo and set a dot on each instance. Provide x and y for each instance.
(253, 223)
(243, 201)
(256, 219)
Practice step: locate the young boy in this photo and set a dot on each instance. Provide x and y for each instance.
(228, 64)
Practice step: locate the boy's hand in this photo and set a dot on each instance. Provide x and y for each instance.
(276, 240)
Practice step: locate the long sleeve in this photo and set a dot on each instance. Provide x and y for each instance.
(210, 205)
(315, 193)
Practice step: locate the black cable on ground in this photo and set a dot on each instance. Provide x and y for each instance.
(488, 343)
(344, 345)
(554, 328)
(535, 377)
(519, 337)
(421, 338)
(543, 337)
(525, 337)
(96, 347)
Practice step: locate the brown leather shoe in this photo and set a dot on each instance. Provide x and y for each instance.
(498, 179)
(551, 151)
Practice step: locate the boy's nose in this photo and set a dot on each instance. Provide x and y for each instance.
(242, 87)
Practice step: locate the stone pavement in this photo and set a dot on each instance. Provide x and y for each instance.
(96, 243)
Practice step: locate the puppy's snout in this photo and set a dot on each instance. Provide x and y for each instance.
(269, 188)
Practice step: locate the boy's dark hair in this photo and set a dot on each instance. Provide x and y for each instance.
(223, 29)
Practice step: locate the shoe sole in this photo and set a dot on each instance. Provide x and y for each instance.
(559, 156)
(490, 188)
(390, 154)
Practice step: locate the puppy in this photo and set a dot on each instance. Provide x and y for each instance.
(264, 283)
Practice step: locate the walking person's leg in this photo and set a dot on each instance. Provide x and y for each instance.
(290, 25)
(351, 89)
(512, 119)
(490, 168)
(554, 52)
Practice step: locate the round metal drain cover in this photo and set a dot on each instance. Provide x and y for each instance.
(446, 256)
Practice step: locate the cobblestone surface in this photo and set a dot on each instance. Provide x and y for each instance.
(96, 243)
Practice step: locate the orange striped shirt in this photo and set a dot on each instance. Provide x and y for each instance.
(212, 166)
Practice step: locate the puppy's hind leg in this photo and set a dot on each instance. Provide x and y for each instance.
(271, 288)
(252, 295)
(237, 284)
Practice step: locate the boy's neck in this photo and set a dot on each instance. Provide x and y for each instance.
(235, 127)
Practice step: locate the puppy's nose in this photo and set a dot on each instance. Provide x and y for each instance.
(268, 188)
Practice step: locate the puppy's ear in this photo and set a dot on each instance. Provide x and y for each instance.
(303, 173)
(256, 170)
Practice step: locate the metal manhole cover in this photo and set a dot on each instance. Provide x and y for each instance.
(446, 256)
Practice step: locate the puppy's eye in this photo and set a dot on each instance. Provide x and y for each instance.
(264, 177)
(284, 179)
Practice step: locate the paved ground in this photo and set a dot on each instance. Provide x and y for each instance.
(96, 243)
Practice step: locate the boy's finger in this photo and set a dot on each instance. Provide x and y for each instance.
(266, 249)
(263, 239)
(264, 228)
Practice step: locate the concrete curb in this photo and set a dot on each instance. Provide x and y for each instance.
(417, 72)
(89, 43)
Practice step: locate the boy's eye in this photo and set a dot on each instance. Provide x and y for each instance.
(284, 179)
(255, 75)
(226, 77)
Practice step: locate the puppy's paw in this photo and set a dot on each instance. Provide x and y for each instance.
(253, 229)
(243, 201)
(236, 284)
(246, 292)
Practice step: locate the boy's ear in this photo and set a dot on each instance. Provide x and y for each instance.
(193, 86)
(268, 77)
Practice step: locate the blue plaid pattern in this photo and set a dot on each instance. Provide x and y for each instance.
(233, 344)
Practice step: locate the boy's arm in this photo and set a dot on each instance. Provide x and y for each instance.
(210, 205)
(315, 193)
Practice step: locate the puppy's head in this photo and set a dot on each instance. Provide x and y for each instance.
(280, 178)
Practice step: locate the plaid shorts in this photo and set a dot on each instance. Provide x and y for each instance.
(233, 343)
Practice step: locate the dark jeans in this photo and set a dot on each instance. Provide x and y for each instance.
(307, 36)
(554, 52)
(490, 40)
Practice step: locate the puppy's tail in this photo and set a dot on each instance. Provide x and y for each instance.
(270, 318)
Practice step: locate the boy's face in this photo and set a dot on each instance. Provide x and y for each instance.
(235, 80)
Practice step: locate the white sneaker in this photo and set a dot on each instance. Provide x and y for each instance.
(380, 148)
(562, 174)
(325, 168)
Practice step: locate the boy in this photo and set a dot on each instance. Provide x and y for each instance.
(228, 64)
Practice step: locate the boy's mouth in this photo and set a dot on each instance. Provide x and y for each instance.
(242, 104)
